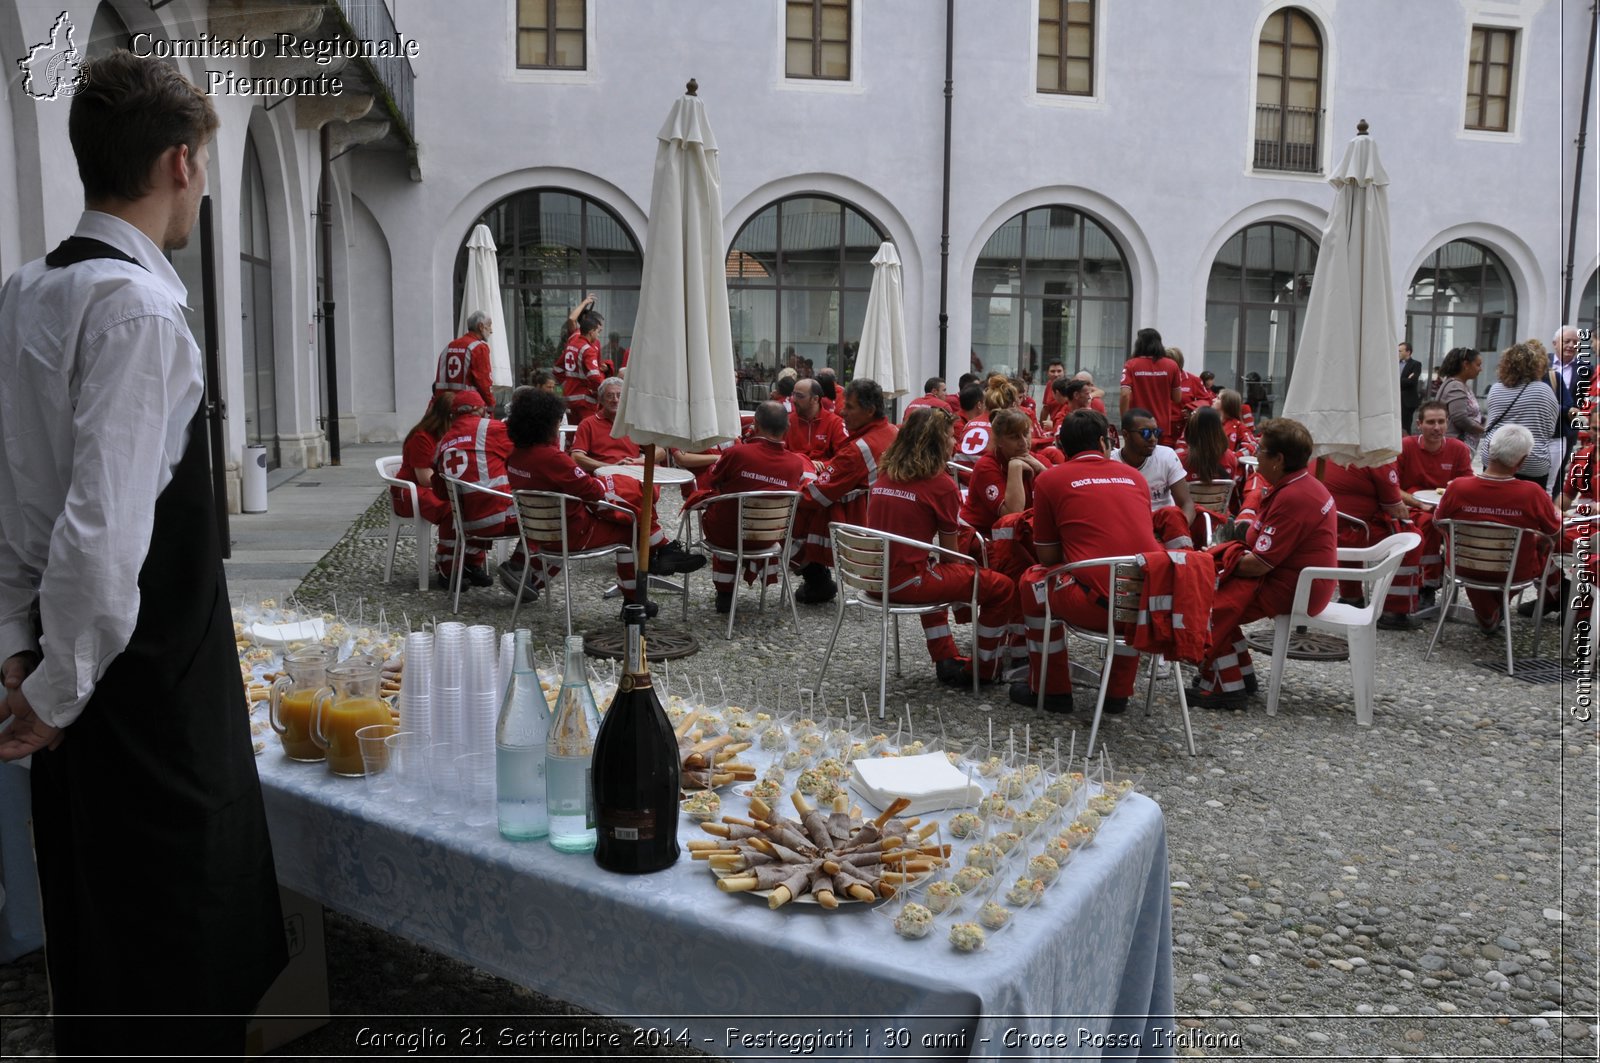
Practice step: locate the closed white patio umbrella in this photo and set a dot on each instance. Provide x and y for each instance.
(679, 388)
(482, 292)
(1345, 387)
(882, 356)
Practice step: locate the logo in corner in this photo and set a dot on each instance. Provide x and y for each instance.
(53, 69)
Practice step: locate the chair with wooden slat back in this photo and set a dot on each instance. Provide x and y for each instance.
(455, 488)
(1490, 551)
(389, 472)
(542, 519)
(766, 531)
(1215, 496)
(861, 568)
(1127, 588)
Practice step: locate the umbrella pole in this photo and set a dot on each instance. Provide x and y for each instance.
(642, 577)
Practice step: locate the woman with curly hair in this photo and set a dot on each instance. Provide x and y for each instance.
(1459, 369)
(915, 497)
(1523, 396)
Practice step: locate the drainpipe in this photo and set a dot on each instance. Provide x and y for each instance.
(325, 220)
(1577, 174)
(944, 225)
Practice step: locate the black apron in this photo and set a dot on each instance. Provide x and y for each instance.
(154, 861)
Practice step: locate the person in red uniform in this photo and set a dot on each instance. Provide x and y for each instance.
(1054, 398)
(1152, 381)
(815, 434)
(416, 462)
(759, 463)
(1296, 529)
(1497, 496)
(953, 398)
(1372, 495)
(915, 497)
(464, 362)
(1241, 437)
(839, 493)
(474, 450)
(1428, 461)
(539, 464)
(1096, 395)
(933, 394)
(578, 367)
(1194, 392)
(999, 502)
(1089, 506)
(1207, 458)
(974, 435)
(828, 383)
(594, 445)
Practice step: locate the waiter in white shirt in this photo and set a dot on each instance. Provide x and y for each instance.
(162, 923)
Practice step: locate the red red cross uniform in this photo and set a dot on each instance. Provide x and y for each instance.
(463, 364)
(818, 439)
(757, 464)
(1362, 493)
(473, 450)
(546, 467)
(925, 402)
(594, 439)
(839, 493)
(924, 510)
(1010, 537)
(1424, 471)
(1240, 436)
(1516, 503)
(1296, 529)
(578, 372)
(417, 453)
(974, 438)
(1152, 381)
(1089, 506)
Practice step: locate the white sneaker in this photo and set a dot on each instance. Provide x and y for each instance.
(1163, 668)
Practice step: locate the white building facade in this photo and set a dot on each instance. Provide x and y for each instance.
(1112, 165)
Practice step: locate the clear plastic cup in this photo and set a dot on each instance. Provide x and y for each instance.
(407, 766)
(375, 756)
(475, 778)
(443, 786)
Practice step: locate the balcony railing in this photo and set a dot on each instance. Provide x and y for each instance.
(369, 20)
(1288, 139)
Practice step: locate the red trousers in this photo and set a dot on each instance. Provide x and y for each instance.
(598, 533)
(1237, 603)
(1078, 605)
(444, 554)
(1407, 579)
(722, 574)
(997, 612)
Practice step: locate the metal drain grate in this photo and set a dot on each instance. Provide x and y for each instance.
(1541, 670)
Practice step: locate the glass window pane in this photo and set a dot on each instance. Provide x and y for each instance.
(569, 14)
(753, 316)
(569, 48)
(1500, 48)
(853, 314)
(812, 229)
(1303, 94)
(861, 240)
(1080, 41)
(1223, 284)
(798, 21)
(1049, 74)
(531, 14)
(1475, 52)
(1222, 339)
(1049, 40)
(1081, 11)
(836, 23)
(811, 325)
(1301, 31)
(1079, 81)
(1494, 113)
(1273, 29)
(835, 60)
(1049, 11)
(1499, 80)
(532, 48)
(1303, 62)
(1271, 59)
(1474, 113)
(797, 59)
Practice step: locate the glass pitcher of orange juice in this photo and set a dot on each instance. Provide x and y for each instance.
(348, 703)
(289, 707)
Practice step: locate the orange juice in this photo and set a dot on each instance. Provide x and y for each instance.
(341, 719)
(294, 713)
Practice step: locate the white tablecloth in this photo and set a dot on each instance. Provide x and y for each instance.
(672, 948)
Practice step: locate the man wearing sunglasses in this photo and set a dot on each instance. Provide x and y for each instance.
(1142, 449)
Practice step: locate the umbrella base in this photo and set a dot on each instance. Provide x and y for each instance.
(662, 643)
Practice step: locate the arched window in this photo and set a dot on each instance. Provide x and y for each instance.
(553, 245)
(1052, 283)
(1289, 93)
(255, 289)
(1255, 295)
(798, 276)
(1462, 296)
(1586, 305)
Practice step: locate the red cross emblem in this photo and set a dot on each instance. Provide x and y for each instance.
(455, 463)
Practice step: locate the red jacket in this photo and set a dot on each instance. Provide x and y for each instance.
(464, 363)
(1175, 605)
(818, 439)
(474, 449)
(578, 372)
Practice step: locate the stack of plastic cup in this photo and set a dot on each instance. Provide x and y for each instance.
(416, 685)
(449, 671)
(481, 693)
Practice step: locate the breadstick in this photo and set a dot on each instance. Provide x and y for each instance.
(900, 804)
(737, 883)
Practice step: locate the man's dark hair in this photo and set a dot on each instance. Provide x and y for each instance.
(1430, 404)
(828, 381)
(868, 395)
(1288, 439)
(932, 382)
(772, 418)
(967, 378)
(784, 386)
(1068, 388)
(1054, 362)
(1132, 414)
(971, 397)
(589, 320)
(125, 114)
(539, 378)
(1147, 344)
(535, 416)
(1082, 430)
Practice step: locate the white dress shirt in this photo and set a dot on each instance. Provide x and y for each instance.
(101, 377)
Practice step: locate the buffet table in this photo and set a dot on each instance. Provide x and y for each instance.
(1086, 971)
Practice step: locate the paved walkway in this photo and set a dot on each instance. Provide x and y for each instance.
(308, 511)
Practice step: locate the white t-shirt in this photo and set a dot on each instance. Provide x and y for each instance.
(1160, 470)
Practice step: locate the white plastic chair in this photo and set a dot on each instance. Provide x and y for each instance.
(1359, 625)
(1126, 578)
(765, 519)
(542, 519)
(861, 568)
(456, 488)
(388, 470)
(1491, 547)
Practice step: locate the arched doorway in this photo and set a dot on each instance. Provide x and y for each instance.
(1255, 296)
(1461, 296)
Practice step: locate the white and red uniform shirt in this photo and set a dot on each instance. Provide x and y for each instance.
(758, 464)
(1240, 437)
(1152, 381)
(594, 439)
(916, 509)
(417, 453)
(464, 363)
(1518, 503)
(817, 439)
(578, 372)
(986, 490)
(1421, 471)
(1297, 528)
(1091, 506)
(840, 489)
(921, 402)
(474, 449)
(974, 438)
(1362, 492)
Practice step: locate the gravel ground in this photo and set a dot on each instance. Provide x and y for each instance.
(1422, 887)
